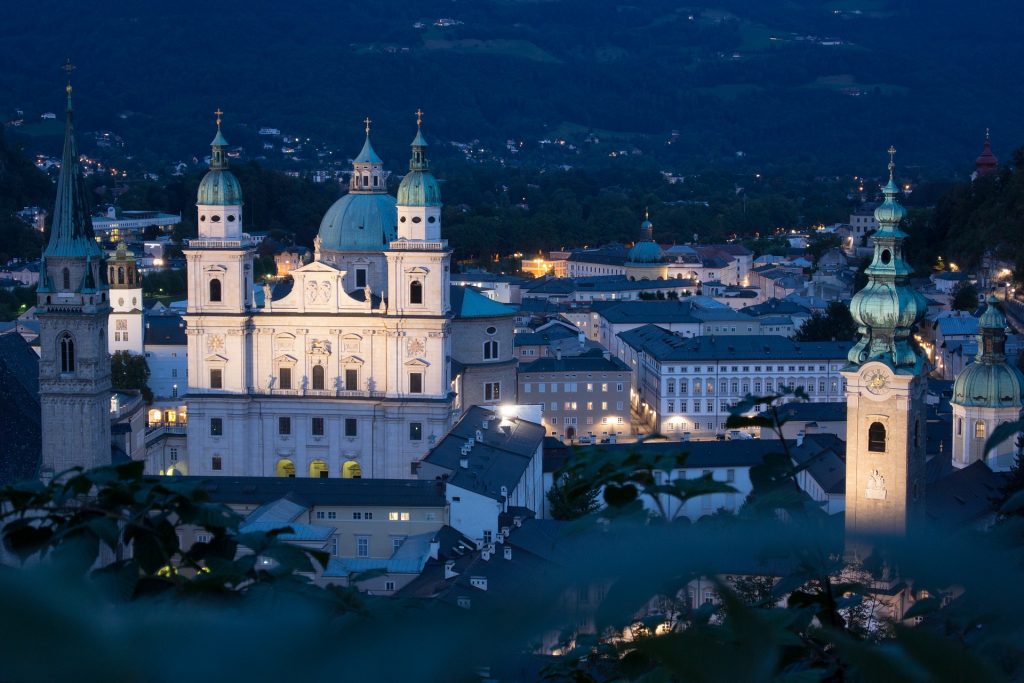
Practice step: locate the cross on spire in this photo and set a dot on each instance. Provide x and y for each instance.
(68, 68)
(419, 118)
(219, 114)
(367, 121)
(986, 133)
(892, 163)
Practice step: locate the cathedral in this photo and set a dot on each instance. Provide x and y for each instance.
(348, 370)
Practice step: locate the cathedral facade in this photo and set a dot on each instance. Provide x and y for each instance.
(347, 372)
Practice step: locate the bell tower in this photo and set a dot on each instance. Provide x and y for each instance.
(885, 386)
(72, 304)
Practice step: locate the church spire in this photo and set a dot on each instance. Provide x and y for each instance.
(419, 146)
(986, 161)
(71, 233)
(218, 160)
(888, 307)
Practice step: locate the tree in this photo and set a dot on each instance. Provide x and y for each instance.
(130, 371)
(571, 498)
(965, 297)
(836, 324)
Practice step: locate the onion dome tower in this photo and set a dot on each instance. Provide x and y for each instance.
(358, 227)
(986, 161)
(989, 392)
(885, 392)
(646, 260)
(72, 306)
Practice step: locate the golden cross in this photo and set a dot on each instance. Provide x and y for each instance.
(419, 117)
(986, 133)
(219, 114)
(647, 213)
(367, 121)
(68, 68)
(892, 156)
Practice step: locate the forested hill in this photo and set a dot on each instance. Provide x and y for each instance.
(826, 83)
(21, 184)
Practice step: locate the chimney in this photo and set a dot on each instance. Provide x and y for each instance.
(449, 570)
(508, 552)
(464, 463)
(800, 439)
(486, 554)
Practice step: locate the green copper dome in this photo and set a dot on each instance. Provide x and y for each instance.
(419, 188)
(982, 385)
(990, 382)
(219, 188)
(646, 252)
(359, 222)
(888, 307)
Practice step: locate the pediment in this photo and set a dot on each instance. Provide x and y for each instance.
(216, 358)
(286, 359)
(417, 362)
(317, 267)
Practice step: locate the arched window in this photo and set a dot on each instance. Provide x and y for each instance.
(67, 278)
(351, 470)
(120, 275)
(67, 353)
(415, 292)
(318, 377)
(490, 350)
(214, 289)
(284, 468)
(979, 429)
(318, 469)
(876, 437)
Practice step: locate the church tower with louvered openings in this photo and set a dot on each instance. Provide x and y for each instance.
(885, 387)
(72, 304)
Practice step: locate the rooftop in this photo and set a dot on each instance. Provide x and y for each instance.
(663, 345)
(323, 492)
(591, 361)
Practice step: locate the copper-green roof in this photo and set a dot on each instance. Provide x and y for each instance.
(71, 233)
(359, 222)
(368, 155)
(646, 252)
(468, 303)
(419, 188)
(219, 188)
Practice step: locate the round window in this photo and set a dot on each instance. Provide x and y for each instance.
(215, 219)
(492, 330)
(231, 218)
(416, 219)
(432, 219)
(135, 301)
(202, 218)
(402, 219)
(120, 302)
(886, 256)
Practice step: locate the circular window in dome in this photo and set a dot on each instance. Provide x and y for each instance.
(215, 219)
(135, 301)
(492, 330)
(231, 218)
(431, 219)
(202, 218)
(886, 256)
(416, 219)
(120, 302)
(402, 219)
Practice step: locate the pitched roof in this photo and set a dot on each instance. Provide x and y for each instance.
(468, 303)
(165, 330)
(663, 345)
(828, 411)
(324, 492)
(499, 459)
(591, 361)
(20, 414)
(964, 496)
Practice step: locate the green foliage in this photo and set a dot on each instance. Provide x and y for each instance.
(571, 497)
(16, 301)
(130, 371)
(165, 284)
(965, 297)
(836, 324)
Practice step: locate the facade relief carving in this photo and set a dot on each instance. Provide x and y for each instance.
(876, 486)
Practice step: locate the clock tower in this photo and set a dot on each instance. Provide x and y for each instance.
(885, 387)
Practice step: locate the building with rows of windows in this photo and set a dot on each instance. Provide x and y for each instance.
(348, 369)
(688, 384)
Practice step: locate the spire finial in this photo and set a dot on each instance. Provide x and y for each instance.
(68, 68)
(986, 134)
(892, 162)
(419, 118)
(647, 213)
(367, 121)
(218, 114)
